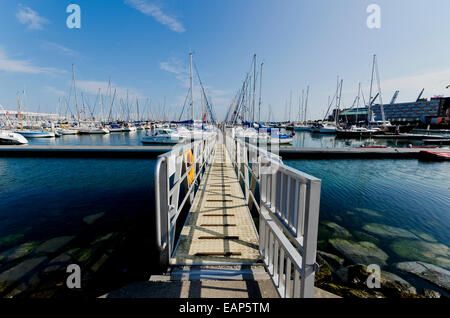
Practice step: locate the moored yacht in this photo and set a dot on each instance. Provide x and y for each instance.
(11, 138)
(162, 136)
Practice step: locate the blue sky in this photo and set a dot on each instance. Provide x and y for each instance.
(144, 45)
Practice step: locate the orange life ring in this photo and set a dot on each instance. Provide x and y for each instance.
(189, 160)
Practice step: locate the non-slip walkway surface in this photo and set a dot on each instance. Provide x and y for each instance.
(219, 229)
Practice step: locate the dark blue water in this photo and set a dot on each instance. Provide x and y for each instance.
(105, 206)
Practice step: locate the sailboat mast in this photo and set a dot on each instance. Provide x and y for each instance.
(306, 103)
(260, 89)
(339, 104)
(369, 114)
(254, 87)
(75, 92)
(192, 87)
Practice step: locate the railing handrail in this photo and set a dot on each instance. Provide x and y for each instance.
(289, 214)
(171, 211)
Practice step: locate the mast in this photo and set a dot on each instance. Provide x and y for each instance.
(379, 94)
(306, 103)
(137, 107)
(192, 87)
(290, 106)
(357, 105)
(369, 114)
(18, 112)
(75, 92)
(260, 88)
(339, 104)
(254, 87)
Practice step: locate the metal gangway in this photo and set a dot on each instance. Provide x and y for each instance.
(220, 179)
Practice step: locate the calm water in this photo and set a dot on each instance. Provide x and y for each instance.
(99, 213)
(301, 139)
(313, 140)
(103, 208)
(365, 196)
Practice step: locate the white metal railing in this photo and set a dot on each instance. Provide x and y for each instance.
(289, 215)
(171, 174)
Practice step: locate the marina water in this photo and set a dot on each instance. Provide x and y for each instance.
(99, 212)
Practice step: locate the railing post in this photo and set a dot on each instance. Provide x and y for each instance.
(310, 239)
(162, 212)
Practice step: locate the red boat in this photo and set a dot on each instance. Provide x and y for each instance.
(434, 156)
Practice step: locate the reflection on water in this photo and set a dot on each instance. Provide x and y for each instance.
(314, 140)
(301, 139)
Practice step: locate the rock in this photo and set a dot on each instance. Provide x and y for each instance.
(435, 253)
(334, 261)
(424, 236)
(14, 274)
(100, 263)
(388, 232)
(395, 286)
(348, 292)
(360, 252)
(54, 244)
(93, 217)
(58, 264)
(354, 275)
(324, 274)
(104, 238)
(82, 255)
(17, 252)
(361, 236)
(428, 293)
(11, 239)
(368, 212)
(336, 229)
(432, 273)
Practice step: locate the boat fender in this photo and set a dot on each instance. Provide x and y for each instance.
(189, 161)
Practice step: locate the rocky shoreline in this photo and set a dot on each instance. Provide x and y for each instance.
(343, 270)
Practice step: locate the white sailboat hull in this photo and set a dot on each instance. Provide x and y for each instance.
(10, 138)
(36, 134)
(161, 140)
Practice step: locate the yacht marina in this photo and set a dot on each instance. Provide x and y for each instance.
(194, 153)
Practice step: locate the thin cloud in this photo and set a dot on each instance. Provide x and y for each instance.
(55, 91)
(92, 88)
(59, 48)
(24, 66)
(176, 67)
(31, 18)
(154, 11)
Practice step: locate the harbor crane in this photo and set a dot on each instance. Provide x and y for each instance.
(394, 98)
(420, 95)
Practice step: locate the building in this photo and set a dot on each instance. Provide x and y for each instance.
(423, 111)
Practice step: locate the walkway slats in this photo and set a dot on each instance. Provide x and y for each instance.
(219, 229)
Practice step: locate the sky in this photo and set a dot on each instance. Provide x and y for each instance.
(142, 47)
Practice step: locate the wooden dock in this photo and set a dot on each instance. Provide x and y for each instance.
(219, 228)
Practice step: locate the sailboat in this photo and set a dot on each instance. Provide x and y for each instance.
(31, 133)
(303, 126)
